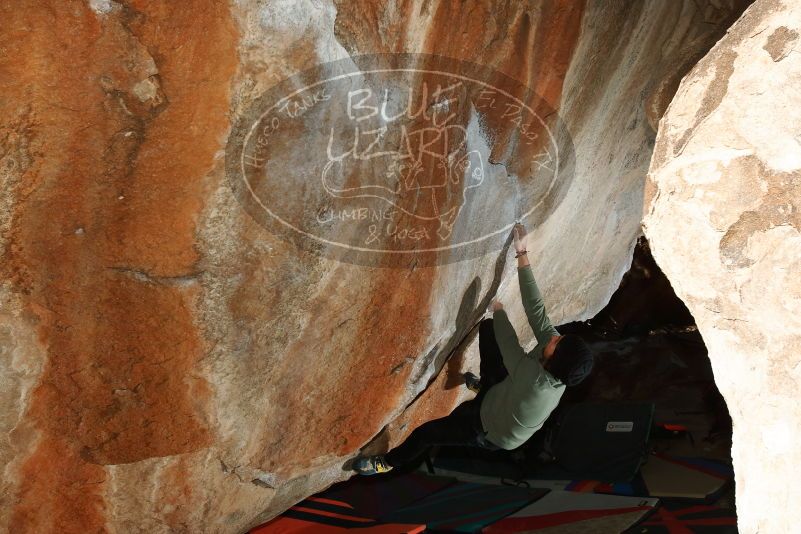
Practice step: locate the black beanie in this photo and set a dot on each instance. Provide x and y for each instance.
(572, 360)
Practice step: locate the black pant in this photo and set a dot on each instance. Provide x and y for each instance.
(463, 426)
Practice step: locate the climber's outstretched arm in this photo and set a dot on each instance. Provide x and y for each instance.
(530, 293)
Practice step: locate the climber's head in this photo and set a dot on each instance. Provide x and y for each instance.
(568, 358)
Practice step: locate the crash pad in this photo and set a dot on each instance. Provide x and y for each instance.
(665, 476)
(677, 517)
(465, 506)
(317, 515)
(571, 512)
(379, 495)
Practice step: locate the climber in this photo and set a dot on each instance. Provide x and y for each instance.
(517, 391)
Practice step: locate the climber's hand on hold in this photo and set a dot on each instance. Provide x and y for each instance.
(520, 237)
(520, 245)
(495, 306)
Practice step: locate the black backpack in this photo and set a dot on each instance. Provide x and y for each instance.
(591, 441)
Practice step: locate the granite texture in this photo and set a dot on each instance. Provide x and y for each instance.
(723, 216)
(168, 365)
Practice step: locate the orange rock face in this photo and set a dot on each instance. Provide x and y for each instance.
(168, 364)
(102, 235)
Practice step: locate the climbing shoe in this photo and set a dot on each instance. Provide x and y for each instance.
(371, 465)
(472, 382)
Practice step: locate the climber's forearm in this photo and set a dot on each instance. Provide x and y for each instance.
(522, 261)
(534, 305)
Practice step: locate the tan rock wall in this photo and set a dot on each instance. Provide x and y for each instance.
(723, 220)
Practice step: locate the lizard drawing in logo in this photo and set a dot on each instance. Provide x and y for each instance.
(427, 174)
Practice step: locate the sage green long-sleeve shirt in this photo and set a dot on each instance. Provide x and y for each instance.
(515, 408)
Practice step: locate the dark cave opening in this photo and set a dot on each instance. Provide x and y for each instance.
(648, 348)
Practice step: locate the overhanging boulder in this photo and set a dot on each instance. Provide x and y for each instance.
(168, 363)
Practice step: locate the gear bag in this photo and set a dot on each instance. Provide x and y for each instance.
(592, 441)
